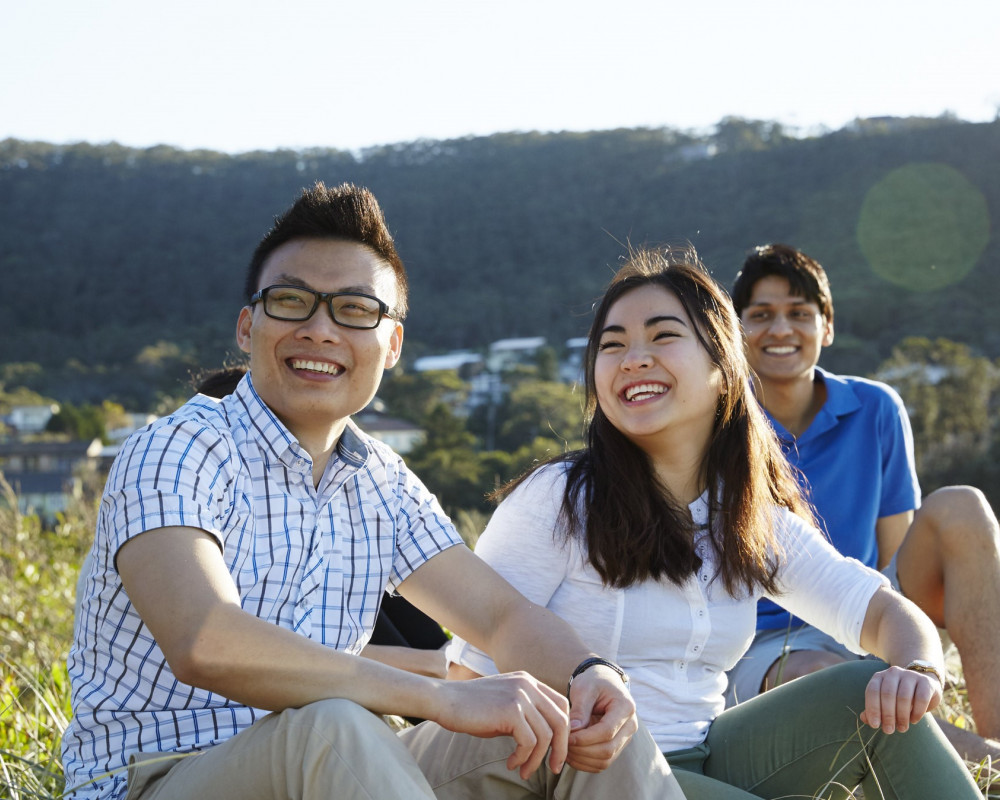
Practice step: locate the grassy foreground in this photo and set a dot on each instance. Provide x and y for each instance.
(38, 571)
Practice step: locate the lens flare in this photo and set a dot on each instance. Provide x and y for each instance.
(923, 226)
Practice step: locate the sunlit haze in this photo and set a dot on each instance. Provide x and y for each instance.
(249, 75)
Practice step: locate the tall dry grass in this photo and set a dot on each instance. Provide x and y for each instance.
(38, 571)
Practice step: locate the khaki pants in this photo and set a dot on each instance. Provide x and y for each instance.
(462, 767)
(336, 750)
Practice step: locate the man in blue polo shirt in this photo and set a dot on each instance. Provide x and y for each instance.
(852, 442)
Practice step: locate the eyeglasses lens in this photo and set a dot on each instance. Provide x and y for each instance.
(295, 304)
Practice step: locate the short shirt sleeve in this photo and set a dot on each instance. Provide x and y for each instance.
(171, 474)
(424, 528)
(819, 585)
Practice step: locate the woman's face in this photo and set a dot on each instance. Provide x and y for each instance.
(653, 377)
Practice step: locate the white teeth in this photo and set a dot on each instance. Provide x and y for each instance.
(644, 391)
(316, 366)
(782, 350)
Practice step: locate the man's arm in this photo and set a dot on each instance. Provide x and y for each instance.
(460, 591)
(179, 584)
(889, 534)
(412, 659)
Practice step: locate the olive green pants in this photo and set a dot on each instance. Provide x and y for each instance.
(804, 740)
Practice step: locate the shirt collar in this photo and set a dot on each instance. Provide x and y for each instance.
(351, 447)
(841, 400)
(277, 441)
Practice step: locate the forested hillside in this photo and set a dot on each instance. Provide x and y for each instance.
(122, 268)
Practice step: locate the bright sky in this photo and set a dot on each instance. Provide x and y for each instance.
(240, 75)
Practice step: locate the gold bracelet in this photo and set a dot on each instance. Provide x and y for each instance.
(927, 668)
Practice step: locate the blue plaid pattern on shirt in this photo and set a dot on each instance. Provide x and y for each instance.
(314, 560)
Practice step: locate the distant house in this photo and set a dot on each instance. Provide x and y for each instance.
(401, 435)
(695, 151)
(47, 476)
(461, 361)
(571, 367)
(134, 422)
(506, 353)
(30, 419)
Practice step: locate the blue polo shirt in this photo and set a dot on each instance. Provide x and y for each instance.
(856, 460)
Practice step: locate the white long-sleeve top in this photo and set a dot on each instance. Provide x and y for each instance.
(675, 642)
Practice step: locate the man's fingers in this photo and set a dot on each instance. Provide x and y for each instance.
(541, 729)
(531, 738)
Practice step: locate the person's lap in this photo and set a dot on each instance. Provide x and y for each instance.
(301, 753)
(463, 767)
(297, 753)
(805, 739)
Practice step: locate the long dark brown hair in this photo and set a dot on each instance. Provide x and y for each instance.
(634, 529)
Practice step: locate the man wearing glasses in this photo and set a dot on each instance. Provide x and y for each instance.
(243, 546)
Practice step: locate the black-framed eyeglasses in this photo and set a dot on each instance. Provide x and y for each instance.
(297, 304)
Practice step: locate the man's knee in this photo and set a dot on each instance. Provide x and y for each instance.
(961, 518)
(329, 729)
(339, 740)
(798, 664)
(334, 717)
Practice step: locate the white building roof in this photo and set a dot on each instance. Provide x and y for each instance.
(446, 361)
(527, 343)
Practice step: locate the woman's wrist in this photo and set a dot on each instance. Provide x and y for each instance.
(595, 661)
(927, 668)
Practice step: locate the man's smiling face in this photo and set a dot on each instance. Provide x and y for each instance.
(315, 373)
(784, 333)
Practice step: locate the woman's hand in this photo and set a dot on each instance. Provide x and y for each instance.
(602, 719)
(896, 697)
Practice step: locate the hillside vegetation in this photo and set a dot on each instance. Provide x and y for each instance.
(122, 268)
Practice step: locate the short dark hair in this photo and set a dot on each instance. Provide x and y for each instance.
(806, 278)
(347, 213)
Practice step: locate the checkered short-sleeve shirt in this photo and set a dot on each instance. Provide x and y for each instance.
(314, 560)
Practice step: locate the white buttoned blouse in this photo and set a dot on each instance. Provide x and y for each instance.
(675, 642)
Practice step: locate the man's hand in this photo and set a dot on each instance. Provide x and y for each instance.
(602, 719)
(513, 704)
(896, 697)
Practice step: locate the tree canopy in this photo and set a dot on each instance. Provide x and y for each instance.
(123, 267)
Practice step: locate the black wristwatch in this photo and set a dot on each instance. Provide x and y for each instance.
(594, 661)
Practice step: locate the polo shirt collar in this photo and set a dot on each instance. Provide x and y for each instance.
(841, 400)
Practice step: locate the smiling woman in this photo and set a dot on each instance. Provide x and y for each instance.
(657, 539)
(655, 381)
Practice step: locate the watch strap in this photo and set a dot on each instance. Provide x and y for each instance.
(594, 661)
(927, 668)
